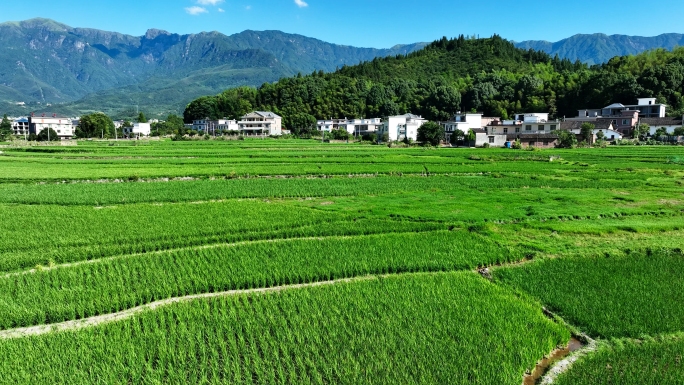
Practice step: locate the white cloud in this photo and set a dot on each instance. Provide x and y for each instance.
(210, 2)
(195, 10)
(249, 7)
(301, 3)
(221, 10)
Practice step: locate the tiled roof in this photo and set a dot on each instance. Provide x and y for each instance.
(577, 125)
(267, 114)
(662, 121)
(528, 137)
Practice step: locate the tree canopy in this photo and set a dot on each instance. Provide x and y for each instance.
(95, 126)
(5, 128)
(430, 133)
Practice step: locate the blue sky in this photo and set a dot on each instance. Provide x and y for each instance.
(364, 23)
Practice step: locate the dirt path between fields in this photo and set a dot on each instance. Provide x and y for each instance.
(565, 364)
(129, 313)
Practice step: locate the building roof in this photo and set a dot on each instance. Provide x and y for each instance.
(662, 121)
(615, 105)
(267, 114)
(577, 125)
(479, 130)
(531, 136)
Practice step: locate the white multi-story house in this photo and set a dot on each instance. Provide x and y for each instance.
(463, 123)
(20, 126)
(138, 130)
(647, 107)
(260, 123)
(62, 126)
(356, 127)
(402, 126)
(213, 126)
(530, 123)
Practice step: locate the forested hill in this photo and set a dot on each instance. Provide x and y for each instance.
(488, 75)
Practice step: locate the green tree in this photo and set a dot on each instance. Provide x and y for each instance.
(456, 136)
(430, 133)
(566, 139)
(661, 132)
(301, 124)
(587, 132)
(5, 128)
(679, 131)
(641, 131)
(142, 118)
(600, 135)
(47, 134)
(471, 138)
(95, 126)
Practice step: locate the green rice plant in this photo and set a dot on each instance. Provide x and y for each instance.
(110, 285)
(654, 361)
(429, 329)
(633, 295)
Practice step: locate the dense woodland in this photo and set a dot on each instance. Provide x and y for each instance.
(463, 74)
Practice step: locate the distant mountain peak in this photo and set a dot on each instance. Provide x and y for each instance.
(153, 33)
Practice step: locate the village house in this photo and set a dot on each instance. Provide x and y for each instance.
(655, 123)
(20, 126)
(464, 123)
(214, 126)
(604, 126)
(138, 130)
(260, 123)
(530, 123)
(356, 127)
(647, 108)
(61, 125)
(401, 127)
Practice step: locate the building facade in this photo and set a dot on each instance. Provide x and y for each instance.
(61, 125)
(401, 127)
(138, 130)
(260, 123)
(20, 127)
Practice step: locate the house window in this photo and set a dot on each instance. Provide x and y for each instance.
(546, 143)
(528, 127)
(517, 129)
(505, 130)
(553, 127)
(531, 144)
(491, 140)
(625, 122)
(541, 127)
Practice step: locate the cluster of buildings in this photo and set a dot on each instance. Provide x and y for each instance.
(66, 127)
(613, 122)
(531, 129)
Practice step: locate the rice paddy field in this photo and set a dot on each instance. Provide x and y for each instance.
(299, 262)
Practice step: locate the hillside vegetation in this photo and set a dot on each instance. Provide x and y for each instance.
(488, 75)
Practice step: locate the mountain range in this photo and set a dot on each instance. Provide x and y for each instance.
(599, 48)
(46, 66)
(77, 70)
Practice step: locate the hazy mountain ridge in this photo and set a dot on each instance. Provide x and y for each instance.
(599, 48)
(47, 62)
